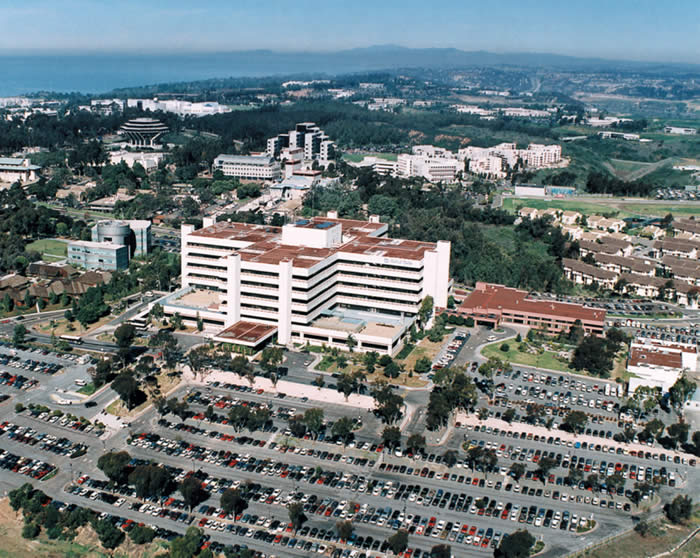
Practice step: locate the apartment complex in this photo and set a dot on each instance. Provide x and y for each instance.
(432, 163)
(254, 167)
(535, 156)
(491, 304)
(331, 281)
(306, 136)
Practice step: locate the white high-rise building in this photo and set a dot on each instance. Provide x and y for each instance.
(321, 281)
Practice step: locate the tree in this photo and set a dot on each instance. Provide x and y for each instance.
(614, 482)
(141, 534)
(176, 321)
(575, 422)
(296, 515)
(415, 443)
(19, 334)
(271, 358)
(425, 310)
(192, 491)
(509, 415)
(441, 551)
(30, 530)
(678, 433)
(313, 419)
(679, 510)
(319, 381)
(392, 370)
(398, 542)
(517, 470)
(109, 535)
(593, 482)
(126, 387)
(115, 465)
(344, 529)
(387, 403)
(681, 391)
(642, 528)
(515, 545)
(151, 481)
(351, 342)
(233, 501)
(391, 437)
(422, 365)
(188, 545)
(545, 465)
(200, 323)
(483, 413)
(594, 354)
(449, 458)
(124, 335)
(343, 429)
(297, 426)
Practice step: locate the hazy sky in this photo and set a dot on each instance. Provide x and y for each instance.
(662, 30)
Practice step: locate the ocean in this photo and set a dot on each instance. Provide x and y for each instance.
(100, 73)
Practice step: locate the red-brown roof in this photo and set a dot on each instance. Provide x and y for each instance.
(491, 298)
(642, 356)
(247, 332)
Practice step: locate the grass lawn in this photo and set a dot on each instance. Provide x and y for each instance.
(357, 157)
(88, 389)
(62, 326)
(663, 537)
(48, 246)
(546, 359)
(165, 382)
(424, 348)
(659, 210)
(587, 208)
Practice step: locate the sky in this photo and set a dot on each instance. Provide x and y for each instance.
(653, 30)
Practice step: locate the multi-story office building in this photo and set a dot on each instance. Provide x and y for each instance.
(98, 255)
(329, 281)
(306, 136)
(432, 163)
(248, 166)
(135, 235)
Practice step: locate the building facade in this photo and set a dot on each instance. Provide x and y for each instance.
(98, 255)
(13, 169)
(135, 235)
(248, 166)
(317, 281)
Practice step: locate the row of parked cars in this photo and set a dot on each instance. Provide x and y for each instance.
(450, 352)
(34, 468)
(557, 441)
(44, 441)
(64, 421)
(31, 365)
(17, 381)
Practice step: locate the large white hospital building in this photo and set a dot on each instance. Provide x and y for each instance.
(319, 281)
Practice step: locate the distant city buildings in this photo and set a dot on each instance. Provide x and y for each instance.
(680, 131)
(179, 107)
(482, 160)
(308, 137)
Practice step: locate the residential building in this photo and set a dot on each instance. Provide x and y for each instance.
(253, 167)
(431, 163)
(528, 213)
(676, 247)
(13, 169)
(581, 273)
(621, 264)
(691, 227)
(98, 255)
(535, 156)
(491, 304)
(605, 224)
(570, 217)
(320, 280)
